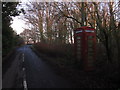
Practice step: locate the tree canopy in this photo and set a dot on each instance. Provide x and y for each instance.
(54, 22)
(9, 37)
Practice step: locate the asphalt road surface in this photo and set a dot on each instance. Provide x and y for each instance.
(30, 71)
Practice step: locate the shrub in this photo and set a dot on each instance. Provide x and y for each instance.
(62, 50)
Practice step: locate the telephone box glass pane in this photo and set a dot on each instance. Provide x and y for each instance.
(90, 54)
(78, 53)
(90, 43)
(78, 41)
(78, 37)
(90, 49)
(90, 63)
(78, 48)
(78, 45)
(78, 57)
(90, 37)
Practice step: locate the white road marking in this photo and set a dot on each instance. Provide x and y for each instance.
(24, 79)
(23, 69)
(24, 76)
(25, 84)
(23, 57)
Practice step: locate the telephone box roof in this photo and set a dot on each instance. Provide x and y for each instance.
(85, 28)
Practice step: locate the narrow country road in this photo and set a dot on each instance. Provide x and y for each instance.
(29, 71)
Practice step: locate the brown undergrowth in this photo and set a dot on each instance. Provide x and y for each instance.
(61, 58)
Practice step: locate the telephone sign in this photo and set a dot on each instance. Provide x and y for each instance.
(85, 46)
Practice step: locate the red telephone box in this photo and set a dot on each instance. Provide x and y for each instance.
(85, 46)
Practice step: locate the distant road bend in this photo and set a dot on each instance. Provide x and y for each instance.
(29, 71)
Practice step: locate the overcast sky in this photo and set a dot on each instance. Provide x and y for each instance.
(18, 24)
